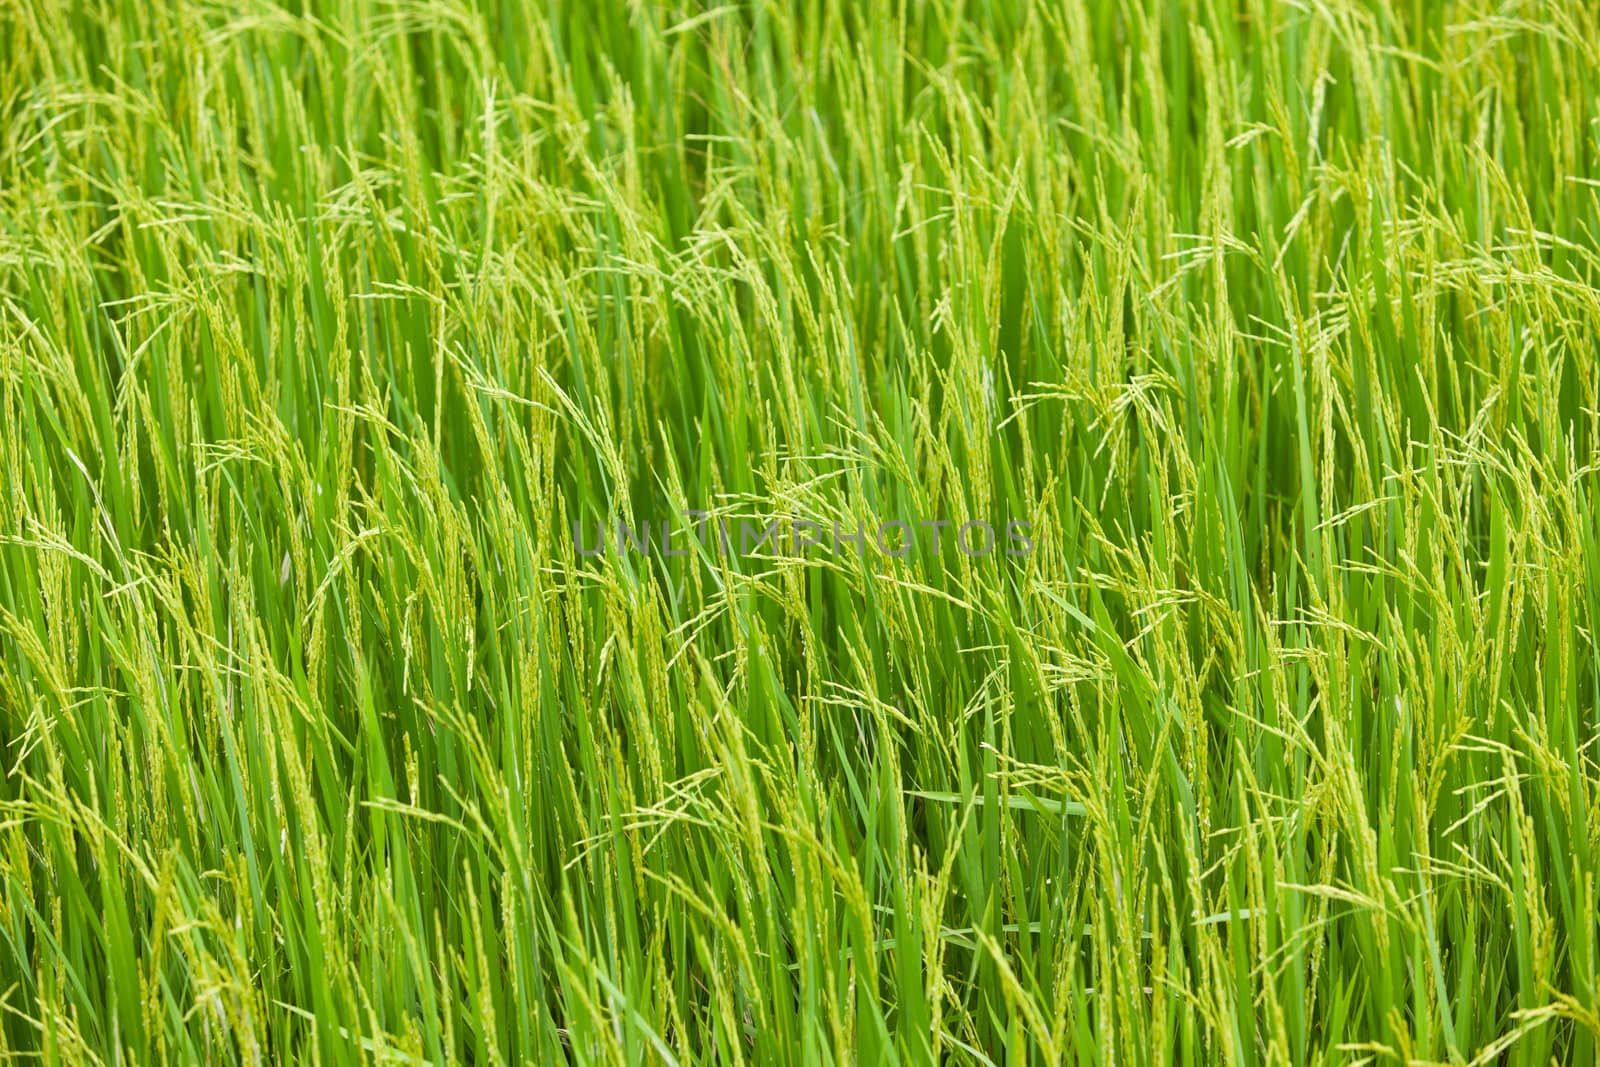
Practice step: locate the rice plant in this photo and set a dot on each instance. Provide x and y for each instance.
(800, 531)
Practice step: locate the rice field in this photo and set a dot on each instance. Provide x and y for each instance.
(800, 531)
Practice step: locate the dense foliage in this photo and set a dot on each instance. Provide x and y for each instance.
(1276, 321)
